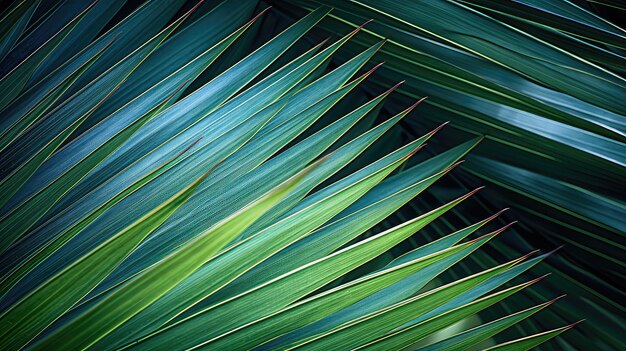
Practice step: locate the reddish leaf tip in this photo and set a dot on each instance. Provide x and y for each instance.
(365, 23)
(456, 164)
(376, 66)
(394, 87)
(507, 226)
(414, 151)
(262, 12)
(499, 213)
(575, 323)
(438, 128)
(477, 189)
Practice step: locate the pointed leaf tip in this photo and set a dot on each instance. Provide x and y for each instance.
(501, 211)
(491, 234)
(538, 279)
(482, 237)
(438, 128)
(392, 89)
(417, 103)
(505, 227)
(414, 151)
(456, 164)
(522, 258)
(374, 68)
(410, 108)
(365, 23)
(554, 250)
(256, 17)
(476, 190)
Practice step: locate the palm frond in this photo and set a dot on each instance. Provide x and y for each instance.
(229, 175)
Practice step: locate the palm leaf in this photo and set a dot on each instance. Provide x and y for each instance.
(326, 221)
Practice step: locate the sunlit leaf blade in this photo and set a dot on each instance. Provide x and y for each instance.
(464, 340)
(272, 172)
(393, 293)
(245, 254)
(531, 341)
(383, 199)
(92, 159)
(154, 315)
(186, 224)
(36, 255)
(291, 286)
(158, 279)
(401, 338)
(316, 306)
(53, 297)
(361, 330)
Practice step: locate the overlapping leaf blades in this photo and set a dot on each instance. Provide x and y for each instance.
(552, 153)
(114, 234)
